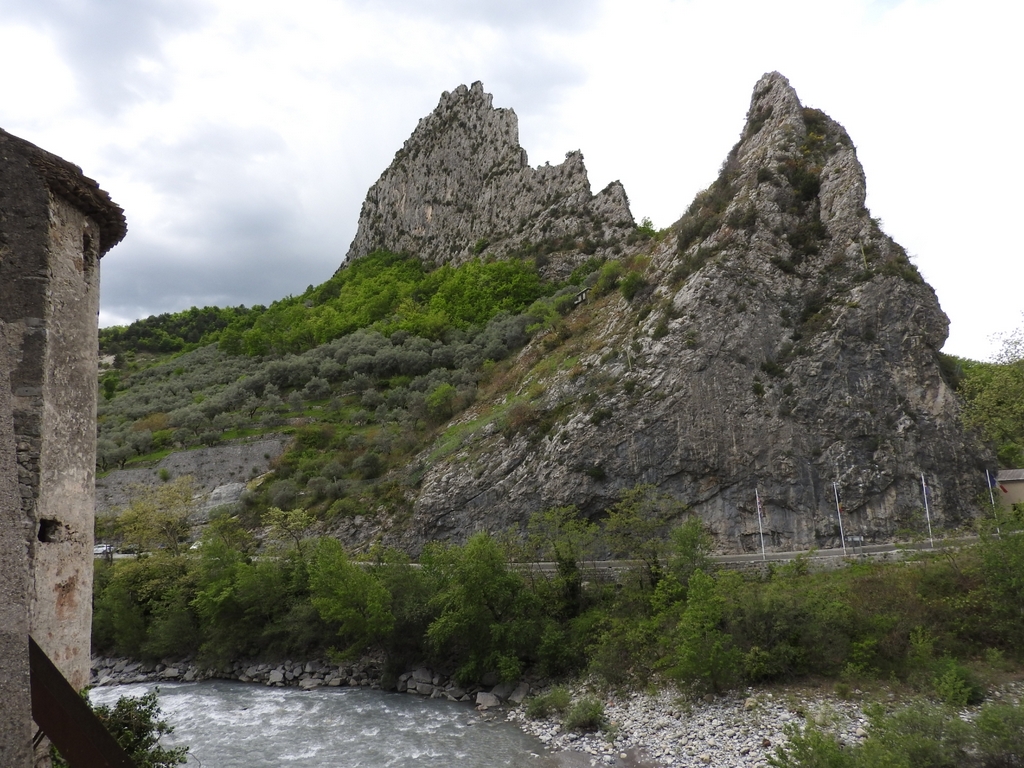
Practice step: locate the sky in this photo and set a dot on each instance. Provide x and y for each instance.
(241, 136)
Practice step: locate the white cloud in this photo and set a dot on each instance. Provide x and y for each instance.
(241, 135)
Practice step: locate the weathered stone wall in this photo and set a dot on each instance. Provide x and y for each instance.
(55, 224)
(62, 552)
(15, 726)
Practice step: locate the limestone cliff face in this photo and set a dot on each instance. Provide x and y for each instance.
(784, 344)
(461, 186)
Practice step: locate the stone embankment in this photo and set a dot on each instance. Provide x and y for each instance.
(308, 675)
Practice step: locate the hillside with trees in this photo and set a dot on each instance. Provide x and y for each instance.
(561, 385)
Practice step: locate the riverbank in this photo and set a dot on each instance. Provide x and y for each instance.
(668, 729)
(660, 729)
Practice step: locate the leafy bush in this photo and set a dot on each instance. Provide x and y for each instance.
(555, 700)
(608, 278)
(136, 725)
(704, 655)
(485, 613)
(630, 285)
(587, 714)
(918, 736)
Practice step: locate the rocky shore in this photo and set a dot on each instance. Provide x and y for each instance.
(663, 729)
(306, 675)
(666, 729)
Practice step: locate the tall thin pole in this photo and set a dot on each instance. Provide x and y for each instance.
(990, 482)
(927, 513)
(839, 512)
(759, 528)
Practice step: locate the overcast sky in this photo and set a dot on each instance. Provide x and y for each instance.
(241, 136)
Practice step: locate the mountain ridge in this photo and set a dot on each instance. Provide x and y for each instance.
(461, 185)
(810, 346)
(772, 342)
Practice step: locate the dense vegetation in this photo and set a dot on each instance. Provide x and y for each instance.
(136, 725)
(384, 290)
(395, 350)
(364, 371)
(921, 735)
(928, 623)
(994, 395)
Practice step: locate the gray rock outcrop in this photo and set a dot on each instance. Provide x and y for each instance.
(219, 472)
(783, 343)
(461, 186)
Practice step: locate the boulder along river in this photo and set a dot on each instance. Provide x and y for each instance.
(229, 724)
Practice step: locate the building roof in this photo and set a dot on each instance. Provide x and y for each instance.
(1005, 475)
(67, 180)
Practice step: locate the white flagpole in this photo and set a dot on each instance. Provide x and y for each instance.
(927, 513)
(759, 528)
(839, 512)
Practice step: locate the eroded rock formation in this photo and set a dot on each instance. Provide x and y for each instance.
(461, 186)
(784, 343)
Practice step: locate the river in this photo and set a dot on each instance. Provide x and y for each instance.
(238, 725)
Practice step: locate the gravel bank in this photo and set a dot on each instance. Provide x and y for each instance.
(664, 729)
(738, 730)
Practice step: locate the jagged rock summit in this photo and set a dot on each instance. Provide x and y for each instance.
(461, 185)
(784, 345)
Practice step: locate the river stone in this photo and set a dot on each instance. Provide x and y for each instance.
(503, 690)
(423, 675)
(487, 700)
(276, 676)
(521, 692)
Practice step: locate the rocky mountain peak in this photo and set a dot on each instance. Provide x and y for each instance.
(784, 346)
(461, 186)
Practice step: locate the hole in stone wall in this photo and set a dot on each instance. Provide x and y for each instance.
(49, 530)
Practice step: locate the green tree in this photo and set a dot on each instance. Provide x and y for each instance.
(136, 725)
(352, 597)
(289, 525)
(1002, 564)
(690, 547)
(441, 401)
(704, 654)
(485, 614)
(994, 395)
(635, 528)
(158, 516)
(562, 536)
(142, 607)
(255, 608)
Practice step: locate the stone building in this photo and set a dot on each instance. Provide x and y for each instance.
(55, 224)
